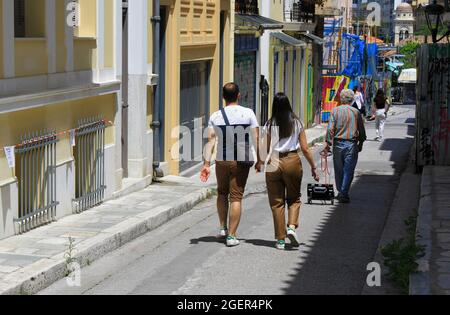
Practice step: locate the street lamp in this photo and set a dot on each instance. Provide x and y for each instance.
(433, 13)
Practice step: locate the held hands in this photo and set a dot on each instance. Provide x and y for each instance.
(205, 173)
(259, 166)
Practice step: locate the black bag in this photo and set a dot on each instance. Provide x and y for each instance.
(322, 192)
(362, 110)
(247, 162)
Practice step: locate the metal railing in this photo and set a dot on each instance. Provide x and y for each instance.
(36, 173)
(247, 7)
(299, 11)
(89, 153)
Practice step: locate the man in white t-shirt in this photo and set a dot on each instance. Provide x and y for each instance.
(232, 129)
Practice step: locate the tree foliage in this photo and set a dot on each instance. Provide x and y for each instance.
(410, 52)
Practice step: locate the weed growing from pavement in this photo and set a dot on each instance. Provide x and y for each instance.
(401, 255)
(69, 255)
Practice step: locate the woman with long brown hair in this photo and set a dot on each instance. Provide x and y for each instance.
(285, 136)
(381, 109)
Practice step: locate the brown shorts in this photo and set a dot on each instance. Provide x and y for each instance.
(231, 179)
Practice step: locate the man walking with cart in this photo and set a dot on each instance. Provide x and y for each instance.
(346, 135)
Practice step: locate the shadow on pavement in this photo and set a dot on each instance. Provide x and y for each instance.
(207, 239)
(270, 244)
(346, 240)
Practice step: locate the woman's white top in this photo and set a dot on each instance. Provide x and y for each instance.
(287, 144)
(359, 99)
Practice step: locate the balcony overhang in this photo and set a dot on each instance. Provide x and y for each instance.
(299, 26)
(256, 22)
(313, 38)
(328, 11)
(33, 100)
(288, 40)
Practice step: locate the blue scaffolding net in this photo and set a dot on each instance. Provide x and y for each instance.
(363, 60)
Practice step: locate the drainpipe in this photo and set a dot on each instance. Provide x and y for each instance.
(156, 124)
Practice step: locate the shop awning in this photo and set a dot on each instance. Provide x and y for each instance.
(260, 22)
(388, 53)
(408, 76)
(373, 39)
(314, 38)
(289, 40)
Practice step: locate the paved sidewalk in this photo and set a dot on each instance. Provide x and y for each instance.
(33, 261)
(398, 110)
(434, 233)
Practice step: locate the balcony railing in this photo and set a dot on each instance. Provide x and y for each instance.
(247, 7)
(299, 11)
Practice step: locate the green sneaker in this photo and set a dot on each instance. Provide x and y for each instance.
(281, 245)
(232, 241)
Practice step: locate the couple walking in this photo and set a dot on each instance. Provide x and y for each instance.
(282, 139)
(234, 127)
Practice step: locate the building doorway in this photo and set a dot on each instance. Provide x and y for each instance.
(194, 112)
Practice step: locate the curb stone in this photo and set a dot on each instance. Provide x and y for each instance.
(420, 282)
(36, 277)
(397, 213)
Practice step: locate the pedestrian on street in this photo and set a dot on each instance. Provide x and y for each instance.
(381, 108)
(359, 103)
(233, 127)
(285, 135)
(346, 134)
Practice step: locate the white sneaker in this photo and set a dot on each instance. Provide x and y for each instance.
(281, 245)
(292, 236)
(232, 241)
(223, 232)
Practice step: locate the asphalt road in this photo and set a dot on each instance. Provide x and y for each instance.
(338, 242)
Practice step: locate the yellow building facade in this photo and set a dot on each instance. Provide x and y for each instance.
(80, 82)
(199, 47)
(59, 74)
(287, 56)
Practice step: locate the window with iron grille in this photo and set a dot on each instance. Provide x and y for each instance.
(89, 153)
(246, 7)
(36, 174)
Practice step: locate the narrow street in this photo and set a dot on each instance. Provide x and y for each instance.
(338, 242)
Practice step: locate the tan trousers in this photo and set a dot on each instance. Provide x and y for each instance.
(231, 179)
(284, 180)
